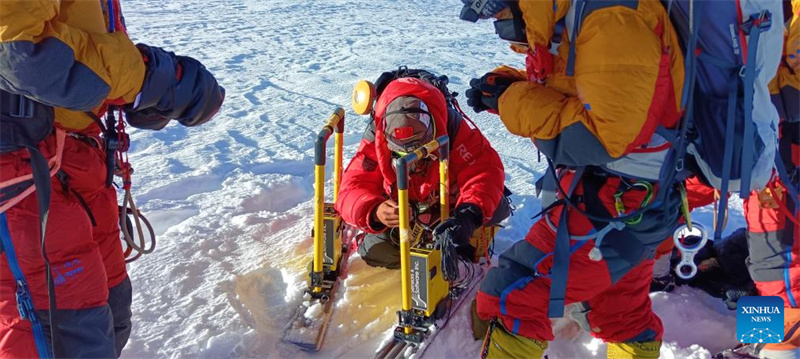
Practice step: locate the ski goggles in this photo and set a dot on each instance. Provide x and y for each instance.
(408, 147)
(511, 30)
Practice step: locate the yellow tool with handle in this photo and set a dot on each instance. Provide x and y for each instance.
(327, 236)
(407, 314)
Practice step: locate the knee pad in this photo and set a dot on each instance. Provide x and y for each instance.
(500, 344)
(634, 350)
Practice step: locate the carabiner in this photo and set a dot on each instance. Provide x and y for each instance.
(686, 269)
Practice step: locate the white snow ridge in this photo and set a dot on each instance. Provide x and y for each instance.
(232, 199)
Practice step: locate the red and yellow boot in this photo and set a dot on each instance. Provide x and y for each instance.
(499, 343)
(635, 350)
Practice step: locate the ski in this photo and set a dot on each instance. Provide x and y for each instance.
(400, 345)
(309, 322)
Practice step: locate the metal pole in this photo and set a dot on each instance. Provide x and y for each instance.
(444, 178)
(319, 190)
(338, 140)
(401, 168)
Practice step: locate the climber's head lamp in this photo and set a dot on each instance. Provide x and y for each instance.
(363, 98)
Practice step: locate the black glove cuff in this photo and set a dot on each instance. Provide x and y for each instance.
(159, 78)
(470, 213)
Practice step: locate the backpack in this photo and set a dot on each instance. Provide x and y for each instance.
(730, 128)
(733, 145)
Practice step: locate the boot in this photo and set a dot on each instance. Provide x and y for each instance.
(501, 344)
(635, 350)
(479, 326)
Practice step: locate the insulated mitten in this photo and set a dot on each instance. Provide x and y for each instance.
(174, 88)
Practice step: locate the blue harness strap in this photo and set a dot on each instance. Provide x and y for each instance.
(561, 254)
(727, 162)
(558, 32)
(582, 9)
(23, 297)
(573, 35)
(756, 25)
(111, 16)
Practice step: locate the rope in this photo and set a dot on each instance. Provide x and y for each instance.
(122, 168)
(129, 207)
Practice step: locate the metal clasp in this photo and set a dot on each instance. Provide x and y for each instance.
(25, 303)
(686, 269)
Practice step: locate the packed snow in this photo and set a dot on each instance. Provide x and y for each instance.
(231, 200)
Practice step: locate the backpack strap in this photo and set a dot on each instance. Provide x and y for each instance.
(41, 180)
(561, 254)
(25, 123)
(558, 32)
(23, 297)
(754, 26)
(579, 10)
(454, 121)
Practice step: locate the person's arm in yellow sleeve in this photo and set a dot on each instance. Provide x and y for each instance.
(58, 65)
(785, 87)
(622, 75)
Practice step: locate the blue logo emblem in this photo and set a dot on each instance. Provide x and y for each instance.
(759, 319)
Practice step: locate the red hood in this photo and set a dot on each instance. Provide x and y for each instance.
(406, 87)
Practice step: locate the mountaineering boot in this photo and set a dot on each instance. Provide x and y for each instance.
(790, 348)
(479, 326)
(635, 350)
(501, 344)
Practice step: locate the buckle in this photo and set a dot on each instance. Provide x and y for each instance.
(23, 108)
(25, 303)
(762, 21)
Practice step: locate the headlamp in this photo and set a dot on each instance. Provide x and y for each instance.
(363, 98)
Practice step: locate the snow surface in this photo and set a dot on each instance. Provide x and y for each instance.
(231, 200)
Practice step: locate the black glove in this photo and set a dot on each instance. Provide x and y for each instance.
(457, 230)
(732, 295)
(174, 88)
(485, 92)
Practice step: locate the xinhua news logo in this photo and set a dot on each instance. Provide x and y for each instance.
(759, 320)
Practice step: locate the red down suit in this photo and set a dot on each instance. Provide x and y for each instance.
(476, 172)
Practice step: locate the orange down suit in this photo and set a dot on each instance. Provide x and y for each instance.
(76, 57)
(628, 74)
